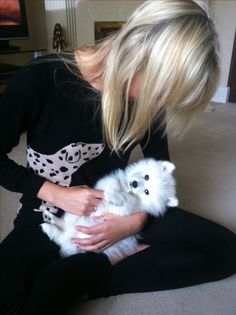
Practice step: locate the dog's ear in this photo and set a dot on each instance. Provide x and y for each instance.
(168, 167)
(173, 202)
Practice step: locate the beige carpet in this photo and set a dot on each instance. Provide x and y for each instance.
(206, 165)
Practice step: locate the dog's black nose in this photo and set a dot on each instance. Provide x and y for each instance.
(134, 184)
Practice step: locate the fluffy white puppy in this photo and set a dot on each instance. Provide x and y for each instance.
(147, 185)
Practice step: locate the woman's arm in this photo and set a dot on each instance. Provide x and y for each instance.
(20, 107)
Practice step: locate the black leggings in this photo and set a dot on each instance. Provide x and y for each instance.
(185, 250)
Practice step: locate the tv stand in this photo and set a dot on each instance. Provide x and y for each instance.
(5, 47)
(6, 69)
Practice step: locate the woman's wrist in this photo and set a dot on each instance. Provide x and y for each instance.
(138, 222)
(50, 192)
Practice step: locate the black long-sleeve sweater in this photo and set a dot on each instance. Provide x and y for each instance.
(60, 114)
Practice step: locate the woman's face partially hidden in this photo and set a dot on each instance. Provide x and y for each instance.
(134, 87)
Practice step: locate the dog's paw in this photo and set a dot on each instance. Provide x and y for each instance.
(114, 198)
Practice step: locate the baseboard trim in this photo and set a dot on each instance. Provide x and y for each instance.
(221, 95)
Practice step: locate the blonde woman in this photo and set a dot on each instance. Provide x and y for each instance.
(83, 114)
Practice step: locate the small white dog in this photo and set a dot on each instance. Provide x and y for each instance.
(147, 185)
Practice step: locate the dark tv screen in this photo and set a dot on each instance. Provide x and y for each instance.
(10, 12)
(13, 22)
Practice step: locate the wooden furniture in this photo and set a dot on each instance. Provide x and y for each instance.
(6, 70)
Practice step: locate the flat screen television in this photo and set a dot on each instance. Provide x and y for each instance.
(13, 22)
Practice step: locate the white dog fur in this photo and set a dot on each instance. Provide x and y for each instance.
(147, 185)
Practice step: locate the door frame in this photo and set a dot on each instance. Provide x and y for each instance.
(232, 73)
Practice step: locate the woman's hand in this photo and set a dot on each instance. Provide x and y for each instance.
(113, 229)
(79, 200)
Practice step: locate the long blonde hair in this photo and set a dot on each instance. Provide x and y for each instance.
(172, 45)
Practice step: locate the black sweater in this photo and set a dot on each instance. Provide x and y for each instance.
(60, 114)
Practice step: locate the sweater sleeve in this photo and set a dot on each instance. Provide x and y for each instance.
(20, 107)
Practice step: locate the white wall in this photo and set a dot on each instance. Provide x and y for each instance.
(224, 15)
(90, 11)
(78, 16)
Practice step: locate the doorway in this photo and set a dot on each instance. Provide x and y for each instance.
(232, 74)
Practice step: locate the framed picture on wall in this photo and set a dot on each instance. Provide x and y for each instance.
(103, 29)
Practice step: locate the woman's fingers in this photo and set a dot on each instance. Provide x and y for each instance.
(88, 241)
(92, 230)
(95, 202)
(96, 247)
(97, 194)
(94, 243)
(111, 230)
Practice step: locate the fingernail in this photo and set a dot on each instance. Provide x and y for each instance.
(79, 228)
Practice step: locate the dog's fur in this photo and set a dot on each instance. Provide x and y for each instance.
(147, 185)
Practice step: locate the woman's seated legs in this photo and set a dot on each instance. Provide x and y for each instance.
(185, 250)
(22, 254)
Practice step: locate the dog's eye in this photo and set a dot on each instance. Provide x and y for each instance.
(146, 177)
(146, 192)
